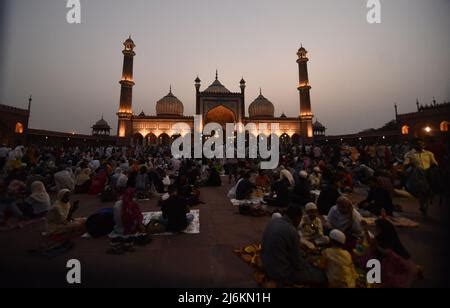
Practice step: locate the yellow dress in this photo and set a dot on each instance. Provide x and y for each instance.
(340, 269)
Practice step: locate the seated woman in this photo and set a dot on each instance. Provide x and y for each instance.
(128, 224)
(64, 179)
(311, 227)
(83, 181)
(127, 215)
(61, 226)
(99, 181)
(38, 203)
(397, 269)
(280, 192)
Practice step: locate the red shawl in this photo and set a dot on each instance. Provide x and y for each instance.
(131, 214)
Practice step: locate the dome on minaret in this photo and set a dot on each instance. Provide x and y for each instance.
(101, 124)
(169, 105)
(302, 52)
(261, 108)
(101, 127)
(317, 125)
(129, 41)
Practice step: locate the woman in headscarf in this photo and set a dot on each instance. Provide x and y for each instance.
(99, 181)
(83, 181)
(65, 179)
(286, 174)
(59, 218)
(128, 218)
(38, 203)
(397, 268)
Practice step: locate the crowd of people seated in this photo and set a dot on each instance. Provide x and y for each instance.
(311, 184)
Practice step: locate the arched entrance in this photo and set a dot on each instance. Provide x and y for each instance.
(19, 128)
(405, 130)
(221, 115)
(151, 139)
(164, 139)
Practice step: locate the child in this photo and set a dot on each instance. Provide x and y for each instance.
(338, 263)
(311, 227)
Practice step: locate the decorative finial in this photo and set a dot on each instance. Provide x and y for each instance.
(102, 116)
(260, 91)
(170, 89)
(217, 74)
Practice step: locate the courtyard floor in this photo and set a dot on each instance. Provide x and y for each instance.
(204, 260)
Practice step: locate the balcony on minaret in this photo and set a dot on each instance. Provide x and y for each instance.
(304, 85)
(126, 81)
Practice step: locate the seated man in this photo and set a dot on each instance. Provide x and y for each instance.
(281, 253)
(378, 199)
(175, 211)
(345, 218)
(280, 193)
(245, 188)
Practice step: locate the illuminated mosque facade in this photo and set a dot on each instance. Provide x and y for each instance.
(215, 104)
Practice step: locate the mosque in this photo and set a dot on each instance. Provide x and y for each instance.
(216, 103)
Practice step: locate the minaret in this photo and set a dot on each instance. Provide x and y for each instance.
(304, 88)
(30, 99)
(125, 113)
(243, 86)
(198, 84)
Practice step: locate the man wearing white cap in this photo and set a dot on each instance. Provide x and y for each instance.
(338, 263)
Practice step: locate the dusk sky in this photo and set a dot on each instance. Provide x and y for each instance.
(357, 70)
